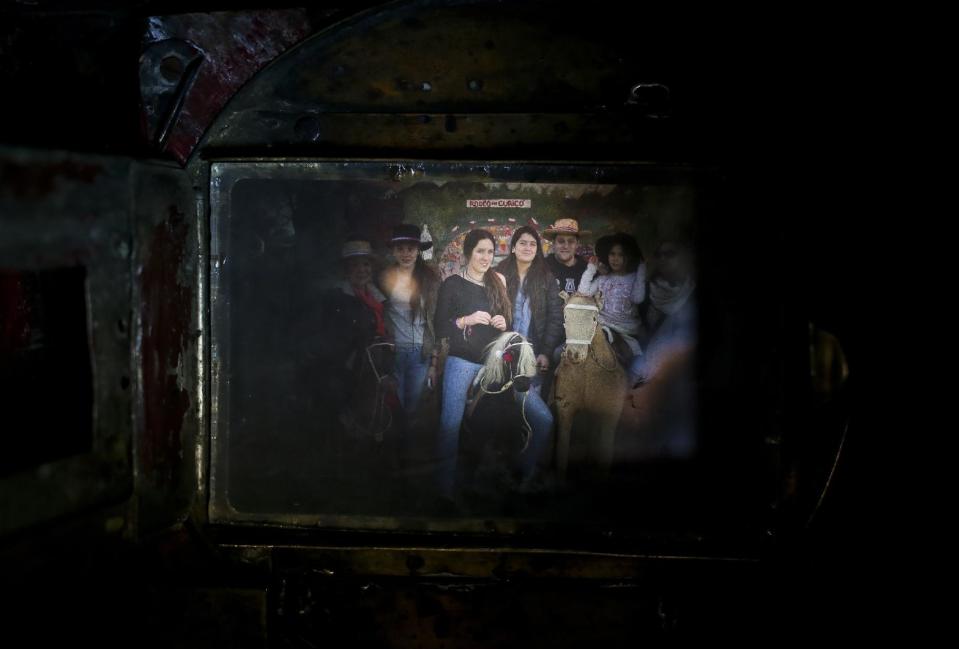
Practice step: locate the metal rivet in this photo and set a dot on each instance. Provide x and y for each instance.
(171, 68)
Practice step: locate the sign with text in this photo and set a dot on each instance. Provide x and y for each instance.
(500, 202)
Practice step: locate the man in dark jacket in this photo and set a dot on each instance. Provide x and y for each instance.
(563, 262)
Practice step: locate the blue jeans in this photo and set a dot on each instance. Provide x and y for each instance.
(410, 370)
(458, 375)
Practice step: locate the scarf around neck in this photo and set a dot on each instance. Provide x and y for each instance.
(670, 299)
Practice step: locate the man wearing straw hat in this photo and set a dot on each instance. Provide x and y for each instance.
(566, 266)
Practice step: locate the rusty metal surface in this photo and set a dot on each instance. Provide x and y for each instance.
(99, 588)
(405, 614)
(131, 226)
(168, 69)
(476, 56)
(165, 330)
(486, 562)
(502, 135)
(441, 76)
(62, 210)
(193, 64)
(528, 603)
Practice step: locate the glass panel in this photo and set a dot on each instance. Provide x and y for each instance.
(333, 285)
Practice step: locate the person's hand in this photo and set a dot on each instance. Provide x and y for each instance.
(477, 318)
(542, 363)
(499, 322)
(593, 259)
(431, 374)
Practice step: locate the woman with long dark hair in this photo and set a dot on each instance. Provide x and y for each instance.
(472, 309)
(534, 293)
(537, 315)
(411, 285)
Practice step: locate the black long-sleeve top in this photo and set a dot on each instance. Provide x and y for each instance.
(459, 297)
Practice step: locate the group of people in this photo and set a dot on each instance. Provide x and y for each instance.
(409, 305)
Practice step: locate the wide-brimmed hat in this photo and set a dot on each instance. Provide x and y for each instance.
(356, 248)
(565, 226)
(408, 233)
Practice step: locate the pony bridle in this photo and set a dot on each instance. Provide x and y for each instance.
(589, 340)
(518, 381)
(379, 402)
(369, 357)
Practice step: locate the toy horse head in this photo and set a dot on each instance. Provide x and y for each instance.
(509, 363)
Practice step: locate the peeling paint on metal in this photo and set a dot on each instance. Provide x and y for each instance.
(167, 302)
(35, 181)
(234, 46)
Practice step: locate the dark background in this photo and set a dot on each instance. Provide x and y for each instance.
(777, 97)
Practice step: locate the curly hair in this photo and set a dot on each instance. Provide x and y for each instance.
(631, 251)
